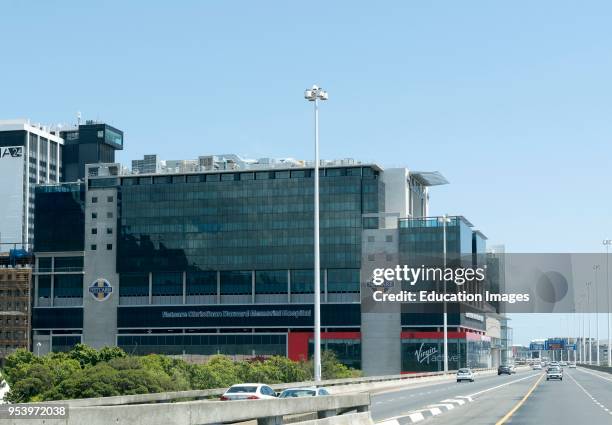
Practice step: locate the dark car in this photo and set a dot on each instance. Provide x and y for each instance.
(504, 369)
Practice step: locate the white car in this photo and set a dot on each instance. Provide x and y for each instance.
(572, 365)
(4, 389)
(537, 366)
(465, 374)
(303, 392)
(554, 372)
(248, 392)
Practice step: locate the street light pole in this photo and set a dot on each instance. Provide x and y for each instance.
(607, 243)
(445, 220)
(590, 353)
(315, 94)
(596, 270)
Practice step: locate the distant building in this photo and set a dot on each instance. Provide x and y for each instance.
(30, 154)
(89, 143)
(15, 301)
(150, 164)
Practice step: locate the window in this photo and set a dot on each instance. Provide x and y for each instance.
(109, 199)
(94, 231)
(109, 230)
(247, 176)
(94, 247)
(109, 246)
(134, 284)
(236, 282)
(202, 283)
(94, 199)
(228, 177)
(370, 238)
(389, 238)
(167, 283)
(109, 215)
(271, 282)
(94, 215)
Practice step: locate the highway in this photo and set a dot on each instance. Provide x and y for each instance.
(584, 397)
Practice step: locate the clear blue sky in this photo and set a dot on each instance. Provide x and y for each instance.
(512, 101)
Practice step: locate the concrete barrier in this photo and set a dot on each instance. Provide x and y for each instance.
(350, 419)
(598, 368)
(266, 412)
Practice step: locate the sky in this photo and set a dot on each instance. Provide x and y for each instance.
(511, 101)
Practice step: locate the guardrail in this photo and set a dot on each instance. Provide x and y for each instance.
(206, 394)
(595, 367)
(266, 412)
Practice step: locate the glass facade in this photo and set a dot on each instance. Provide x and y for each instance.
(205, 344)
(421, 241)
(231, 222)
(425, 354)
(59, 220)
(347, 350)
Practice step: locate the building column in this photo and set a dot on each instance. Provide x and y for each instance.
(288, 286)
(325, 284)
(184, 287)
(252, 286)
(218, 287)
(150, 288)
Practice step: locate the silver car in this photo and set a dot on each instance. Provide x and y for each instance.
(465, 374)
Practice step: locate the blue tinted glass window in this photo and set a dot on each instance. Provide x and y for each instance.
(271, 282)
(134, 284)
(167, 283)
(236, 283)
(202, 283)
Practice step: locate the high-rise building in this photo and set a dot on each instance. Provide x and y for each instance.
(29, 154)
(89, 143)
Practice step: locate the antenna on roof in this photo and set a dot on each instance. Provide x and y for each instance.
(78, 114)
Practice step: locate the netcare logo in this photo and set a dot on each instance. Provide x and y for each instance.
(12, 152)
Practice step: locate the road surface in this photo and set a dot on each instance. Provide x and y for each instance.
(583, 397)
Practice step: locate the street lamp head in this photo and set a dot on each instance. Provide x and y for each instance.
(315, 93)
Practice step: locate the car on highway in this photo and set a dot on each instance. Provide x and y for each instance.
(554, 372)
(465, 374)
(572, 366)
(563, 364)
(537, 366)
(303, 392)
(248, 392)
(504, 369)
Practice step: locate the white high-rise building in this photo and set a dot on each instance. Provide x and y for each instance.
(29, 154)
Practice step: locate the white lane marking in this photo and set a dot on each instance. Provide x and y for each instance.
(467, 397)
(390, 422)
(447, 406)
(454, 400)
(502, 385)
(435, 411)
(594, 374)
(587, 393)
(416, 417)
